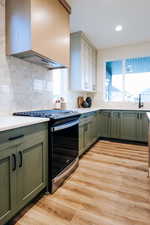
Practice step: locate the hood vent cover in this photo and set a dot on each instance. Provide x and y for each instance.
(39, 33)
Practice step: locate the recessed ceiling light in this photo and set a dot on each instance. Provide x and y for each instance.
(118, 28)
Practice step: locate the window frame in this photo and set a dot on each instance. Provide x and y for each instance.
(123, 74)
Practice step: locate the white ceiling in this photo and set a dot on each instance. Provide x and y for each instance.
(98, 19)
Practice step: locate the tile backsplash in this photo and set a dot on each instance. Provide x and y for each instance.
(23, 85)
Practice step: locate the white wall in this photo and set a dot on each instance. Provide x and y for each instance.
(115, 54)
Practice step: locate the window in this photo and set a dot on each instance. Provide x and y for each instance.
(126, 79)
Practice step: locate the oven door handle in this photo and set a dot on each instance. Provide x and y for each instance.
(64, 126)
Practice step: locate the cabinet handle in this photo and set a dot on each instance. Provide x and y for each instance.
(14, 138)
(14, 162)
(141, 116)
(138, 116)
(21, 159)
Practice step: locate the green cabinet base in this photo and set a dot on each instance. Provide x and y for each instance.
(88, 131)
(23, 167)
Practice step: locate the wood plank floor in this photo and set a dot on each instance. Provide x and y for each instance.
(110, 187)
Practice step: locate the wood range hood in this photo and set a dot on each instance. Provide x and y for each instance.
(38, 31)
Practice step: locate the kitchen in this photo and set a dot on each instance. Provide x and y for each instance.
(74, 115)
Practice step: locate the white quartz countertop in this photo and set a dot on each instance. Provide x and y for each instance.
(87, 110)
(12, 122)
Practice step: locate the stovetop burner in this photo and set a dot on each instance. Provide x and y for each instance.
(52, 114)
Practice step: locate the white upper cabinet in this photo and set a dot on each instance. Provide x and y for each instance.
(83, 63)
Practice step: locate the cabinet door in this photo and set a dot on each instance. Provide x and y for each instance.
(90, 65)
(93, 128)
(7, 182)
(105, 123)
(31, 173)
(143, 127)
(90, 131)
(81, 140)
(97, 124)
(129, 125)
(87, 137)
(94, 69)
(115, 125)
(85, 64)
(99, 116)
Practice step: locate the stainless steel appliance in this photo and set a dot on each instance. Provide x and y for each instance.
(63, 143)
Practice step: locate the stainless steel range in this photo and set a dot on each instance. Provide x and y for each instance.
(63, 143)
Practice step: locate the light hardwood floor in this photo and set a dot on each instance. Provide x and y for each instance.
(110, 187)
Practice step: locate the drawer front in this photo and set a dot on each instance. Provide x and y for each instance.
(18, 135)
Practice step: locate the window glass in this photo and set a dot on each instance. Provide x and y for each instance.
(137, 78)
(126, 79)
(114, 81)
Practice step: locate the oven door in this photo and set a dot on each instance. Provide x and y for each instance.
(65, 146)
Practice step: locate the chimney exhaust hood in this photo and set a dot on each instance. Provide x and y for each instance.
(38, 31)
(39, 60)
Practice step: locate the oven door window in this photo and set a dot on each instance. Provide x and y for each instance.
(65, 148)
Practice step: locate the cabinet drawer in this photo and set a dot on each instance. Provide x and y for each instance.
(16, 136)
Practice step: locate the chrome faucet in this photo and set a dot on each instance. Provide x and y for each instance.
(141, 104)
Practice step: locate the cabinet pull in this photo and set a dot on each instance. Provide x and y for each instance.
(14, 138)
(14, 162)
(20, 159)
(138, 116)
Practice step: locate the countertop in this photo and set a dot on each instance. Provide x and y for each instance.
(12, 122)
(87, 110)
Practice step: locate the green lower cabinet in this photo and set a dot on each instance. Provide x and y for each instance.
(124, 125)
(87, 136)
(23, 168)
(134, 126)
(143, 125)
(129, 126)
(31, 157)
(97, 125)
(95, 133)
(115, 125)
(105, 123)
(7, 182)
(87, 131)
(92, 129)
(81, 139)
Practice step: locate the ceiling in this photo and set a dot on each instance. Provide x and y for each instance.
(98, 19)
